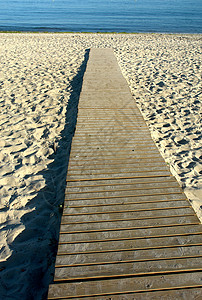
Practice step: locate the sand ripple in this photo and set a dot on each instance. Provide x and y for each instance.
(36, 75)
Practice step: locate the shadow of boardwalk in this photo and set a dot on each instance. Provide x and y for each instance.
(28, 272)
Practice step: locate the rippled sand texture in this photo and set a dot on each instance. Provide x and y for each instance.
(36, 84)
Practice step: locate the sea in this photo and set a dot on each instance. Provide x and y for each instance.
(162, 16)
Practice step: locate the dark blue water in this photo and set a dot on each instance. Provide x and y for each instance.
(174, 16)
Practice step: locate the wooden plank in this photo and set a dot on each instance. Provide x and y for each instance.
(116, 152)
(175, 293)
(127, 215)
(111, 158)
(114, 166)
(113, 147)
(156, 233)
(122, 169)
(74, 192)
(112, 235)
(130, 255)
(140, 216)
(116, 137)
(133, 242)
(126, 268)
(80, 163)
(83, 128)
(89, 227)
(112, 216)
(120, 182)
(128, 206)
(121, 276)
(61, 263)
(139, 200)
(103, 230)
(138, 174)
(122, 192)
(129, 286)
(104, 187)
(107, 133)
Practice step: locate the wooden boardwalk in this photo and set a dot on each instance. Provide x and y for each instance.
(127, 231)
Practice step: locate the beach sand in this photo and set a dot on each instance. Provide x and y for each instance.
(40, 80)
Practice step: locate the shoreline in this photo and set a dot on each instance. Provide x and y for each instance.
(39, 79)
(97, 32)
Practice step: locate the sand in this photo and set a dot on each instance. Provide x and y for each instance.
(38, 98)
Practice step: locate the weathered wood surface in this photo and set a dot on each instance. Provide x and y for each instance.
(127, 230)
